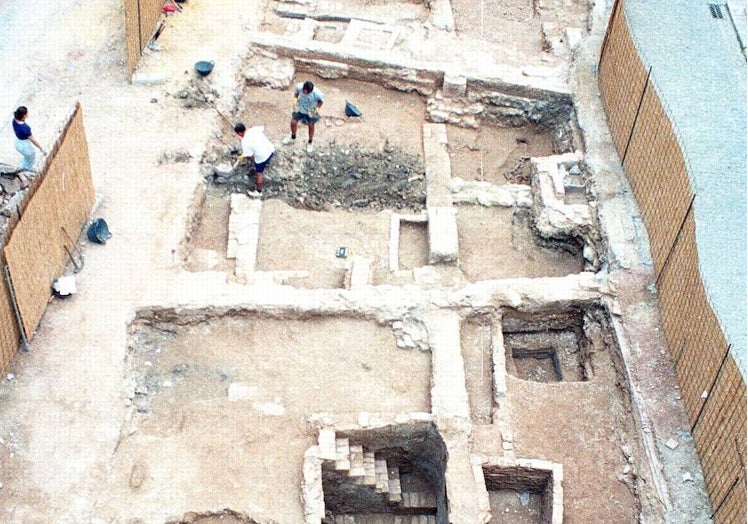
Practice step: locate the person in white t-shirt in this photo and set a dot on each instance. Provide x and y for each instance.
(258, 148)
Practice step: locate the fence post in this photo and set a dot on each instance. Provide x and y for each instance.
(636, 117)
(24, 339)
(675, 240)
(613, 14)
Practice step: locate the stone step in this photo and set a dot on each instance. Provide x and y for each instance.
(342, 454)
(394, 493)
(327, 447)
(380, 471)
(370, 469)
(413, 519)
(396, 519)
(357, 461)
(370, 477)
(418, 499)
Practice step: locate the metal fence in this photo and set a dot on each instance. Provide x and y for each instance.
(713, 389)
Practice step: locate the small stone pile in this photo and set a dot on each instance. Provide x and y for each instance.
(197, 94)
(13, 189)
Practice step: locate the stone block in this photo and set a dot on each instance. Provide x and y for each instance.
(394, 242)
(441, 15)
(454, 86)
(437, 164)
(327, 447)
(360, 272)
(241, 391)
(275, 73)
(442, 233)
(573, 37)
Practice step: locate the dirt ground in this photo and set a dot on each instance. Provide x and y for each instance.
(186, 433)
(491, 153)
(104, 425)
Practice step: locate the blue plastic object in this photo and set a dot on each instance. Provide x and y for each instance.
(351, 110)
(204, 67)
(98, 231)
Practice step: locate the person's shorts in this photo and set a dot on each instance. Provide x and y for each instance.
(259, 168)
(304, 119)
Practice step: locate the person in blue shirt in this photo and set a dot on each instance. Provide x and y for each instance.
(25, 141)
(307, 101)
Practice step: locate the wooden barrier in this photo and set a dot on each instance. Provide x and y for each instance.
(58, 206)
(10, 334)
(141, 20)
(713, 389)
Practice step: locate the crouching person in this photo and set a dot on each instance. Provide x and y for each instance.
(258, 148)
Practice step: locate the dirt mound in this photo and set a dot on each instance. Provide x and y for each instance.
(347, 177)
(227, 516)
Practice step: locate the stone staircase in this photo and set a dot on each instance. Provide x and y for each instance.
(359, 466)
(382, 519)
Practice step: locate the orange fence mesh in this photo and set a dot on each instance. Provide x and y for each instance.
(713, 390)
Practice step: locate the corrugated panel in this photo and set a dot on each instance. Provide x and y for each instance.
(720, 433)
(141, 20)
(692, 329)
(9, 332)
(657, 173)
(734, 508)
(61, 203)
(150, 13)
(132, 34)
(622, 78)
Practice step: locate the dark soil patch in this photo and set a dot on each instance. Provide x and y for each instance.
(344, 177)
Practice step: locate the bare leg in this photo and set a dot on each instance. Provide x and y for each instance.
(294, 126)
(259, 182)
(311, 132)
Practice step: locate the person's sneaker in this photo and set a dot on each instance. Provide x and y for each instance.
(309, 147)
(254, 194)
(288, 140)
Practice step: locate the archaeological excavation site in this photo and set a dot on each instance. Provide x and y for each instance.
(446, 312)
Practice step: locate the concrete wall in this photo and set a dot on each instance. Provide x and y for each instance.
(713, 390)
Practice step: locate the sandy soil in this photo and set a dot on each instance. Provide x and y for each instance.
(495, 245)
(292, 239)
(186, 434)
(587, 427)
(387, 116)
(75, 448)
(490, 153)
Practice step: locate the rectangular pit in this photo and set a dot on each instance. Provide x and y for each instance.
(546, 347)
(496, 154)
(498, 242)
(217, 402)
(413, 245)
(521, 493)
(294, 239)
(386, 475)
